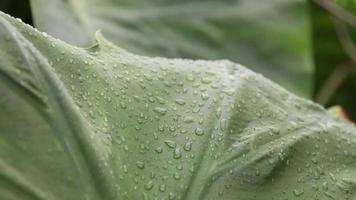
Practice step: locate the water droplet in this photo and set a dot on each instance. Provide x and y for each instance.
(199, 131)
(170, 144)
(298, 192)
(196, 109)
(160, 100)
(123, 105)
(346, 184)
(330, 196)
(160, 110)
(177, 154)
(205, 80)
(171, 196)
(140, 164)
(176, 176)
(190, 77)
(179, 167)
(151, 99)
(125, 169)
(180, 102)
(188, 119)
(188, 145)
(148, 185)
(172, 129)
(159, 149)
(162, 188)
(229, 92)
(205, 96)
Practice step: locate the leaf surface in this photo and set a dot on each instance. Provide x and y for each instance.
(271, 38)
(103, 123)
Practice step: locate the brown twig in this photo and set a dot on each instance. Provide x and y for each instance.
(333, 82)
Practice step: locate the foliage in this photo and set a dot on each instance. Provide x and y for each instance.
(103, 123)
(334, 55)
(277, 46)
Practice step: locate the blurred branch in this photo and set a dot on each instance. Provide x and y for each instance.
(345, 38)
(337, 11)
(339, 17)
(339, 74)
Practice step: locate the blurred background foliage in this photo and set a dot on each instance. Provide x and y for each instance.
(334, 32)
(306, 46)
(17, 8)
(271, 38)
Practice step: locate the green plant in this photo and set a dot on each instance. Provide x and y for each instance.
(103, 123)
(133, 127)
(271, 38)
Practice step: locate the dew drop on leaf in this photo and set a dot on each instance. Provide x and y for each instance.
(180, 102)
(298, 192)
(148, 185)
(171, 196)
(176, 176)
(205, 96)
(170, 144)
(199, 131)
(162, 188)
(205, 80)
(188, 119)
(159, 149)
(188, 145)
(160, 110)
(177, 154)
(123, 105)
(140, 164)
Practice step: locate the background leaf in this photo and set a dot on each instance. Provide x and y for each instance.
(335, 77)
(271, 38)
(136, 127)
(17, 8)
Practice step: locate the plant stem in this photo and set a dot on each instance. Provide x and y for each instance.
(339, 16)
(329, 87)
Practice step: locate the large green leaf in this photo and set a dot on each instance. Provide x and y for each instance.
(271, 37)
(102, 123)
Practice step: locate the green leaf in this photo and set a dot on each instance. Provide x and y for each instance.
(103, 123)
(271, 38)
